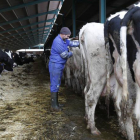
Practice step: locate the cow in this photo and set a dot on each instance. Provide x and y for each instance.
(8, 52)
(91, 37)
(122, 40)
(17, 59)
(73, 73)
(6, 61)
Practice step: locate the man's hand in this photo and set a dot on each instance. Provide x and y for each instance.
(75, 38)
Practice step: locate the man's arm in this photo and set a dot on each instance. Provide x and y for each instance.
(63, 53)
(73, 43)
(66, 54)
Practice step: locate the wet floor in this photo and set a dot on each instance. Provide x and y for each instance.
(25, 109)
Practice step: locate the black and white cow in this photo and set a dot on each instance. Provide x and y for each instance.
(17, 59)
(6, 61)
(122, 32)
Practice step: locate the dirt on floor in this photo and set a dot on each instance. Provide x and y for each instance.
(25, 112)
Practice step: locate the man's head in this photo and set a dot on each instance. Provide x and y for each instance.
(65, 33)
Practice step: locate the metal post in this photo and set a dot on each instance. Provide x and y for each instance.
(73, 18)
(102, 11)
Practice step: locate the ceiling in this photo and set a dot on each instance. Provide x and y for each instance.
(86, 11)
(25, 23)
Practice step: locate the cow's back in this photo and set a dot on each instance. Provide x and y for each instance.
(93, 49)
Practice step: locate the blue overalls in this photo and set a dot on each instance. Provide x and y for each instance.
(58, 58)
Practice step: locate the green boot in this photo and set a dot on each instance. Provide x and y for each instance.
(60, 105)
(54, 101)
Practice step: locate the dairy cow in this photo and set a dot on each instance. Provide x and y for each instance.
(6, 61)
(92, 46)
(122, 39)
(17, 59)
(74, 75)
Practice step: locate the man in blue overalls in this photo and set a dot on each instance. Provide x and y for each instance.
(58, 58)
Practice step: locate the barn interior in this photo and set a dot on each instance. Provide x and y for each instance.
(25, 92)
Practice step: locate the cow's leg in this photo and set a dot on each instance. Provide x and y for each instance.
(86, 108)
(136, 68)
(118, 98)
(81, 85)
(137, 105)
(118, 72)
(92, 97)
(86, 104)
(77, 82)
(123, 48)
(129, 128)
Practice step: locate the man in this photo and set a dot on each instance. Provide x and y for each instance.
(58, 58)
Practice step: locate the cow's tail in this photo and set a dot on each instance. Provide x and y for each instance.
(123, 47)
(106, 37)
(107, 47)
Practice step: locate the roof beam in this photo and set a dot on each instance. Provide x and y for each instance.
(49, 20)
(28, 35)
(31, 36)
(33, 33)
(36, 37)
(28, 17)
(25, 32)
(9, 43)
(15, 42)
(15, 16)
(10, 40)
(25, 4)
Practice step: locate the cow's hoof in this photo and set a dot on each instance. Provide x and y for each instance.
(96, 132)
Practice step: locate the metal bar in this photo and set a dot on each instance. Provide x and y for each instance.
(16, 17)
(33, 35)
(33, 38)
(102, 7)
(46, 15)
(25, 32)
(9, 43)
(13, 42)
(27, 14)
(24, 5)
(8, 32)
(43, 40)
(73, 18)
(49, 20)
(28, 17)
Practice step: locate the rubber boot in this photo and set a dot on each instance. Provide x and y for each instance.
(60, 105)
(54, 101)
